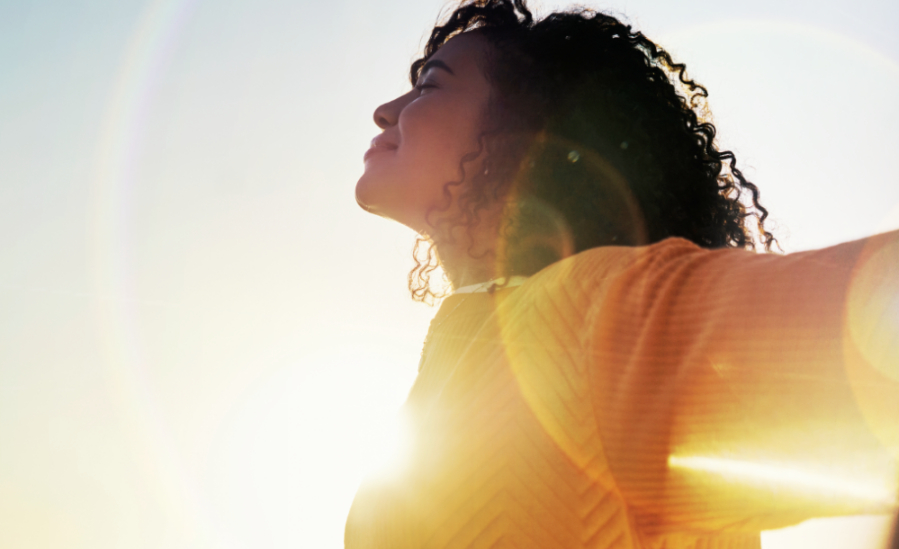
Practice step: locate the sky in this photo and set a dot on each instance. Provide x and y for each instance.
(204, 339)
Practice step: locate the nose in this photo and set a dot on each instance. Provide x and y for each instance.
(388, 114)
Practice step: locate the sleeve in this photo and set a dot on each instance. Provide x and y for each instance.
(739, 392)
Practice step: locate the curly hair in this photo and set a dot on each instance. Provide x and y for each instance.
(594, 136)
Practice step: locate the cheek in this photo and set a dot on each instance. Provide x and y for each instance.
(437, 141)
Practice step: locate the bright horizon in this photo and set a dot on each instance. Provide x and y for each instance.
(205, 339)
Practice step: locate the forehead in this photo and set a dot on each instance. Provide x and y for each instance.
(464, 53)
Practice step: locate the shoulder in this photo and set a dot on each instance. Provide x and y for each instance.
(567, 291)
(584, 272)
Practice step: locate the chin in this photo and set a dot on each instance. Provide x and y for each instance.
(381, 197)
(364, 194)
(364, 207)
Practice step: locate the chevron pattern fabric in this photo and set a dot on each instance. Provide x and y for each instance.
(665, 397)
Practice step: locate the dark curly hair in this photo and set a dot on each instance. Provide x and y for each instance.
(594, 136)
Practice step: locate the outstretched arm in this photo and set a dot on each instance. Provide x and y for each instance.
(739, 391)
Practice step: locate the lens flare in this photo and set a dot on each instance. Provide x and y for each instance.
(783, 475)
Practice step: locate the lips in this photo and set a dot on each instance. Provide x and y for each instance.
(378, 145)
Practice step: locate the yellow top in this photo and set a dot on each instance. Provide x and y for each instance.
(659, 397)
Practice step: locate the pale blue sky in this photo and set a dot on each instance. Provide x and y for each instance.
(201, 330)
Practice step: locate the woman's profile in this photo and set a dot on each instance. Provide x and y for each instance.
(614, 367)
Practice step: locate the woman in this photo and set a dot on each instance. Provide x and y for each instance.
(593, 381)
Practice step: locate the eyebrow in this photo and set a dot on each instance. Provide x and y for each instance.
(436, 64)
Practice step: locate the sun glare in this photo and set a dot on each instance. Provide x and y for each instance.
(785, 475)
(386, 447)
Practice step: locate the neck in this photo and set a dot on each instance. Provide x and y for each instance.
(468, 253)
(465, 265)
(465, 271)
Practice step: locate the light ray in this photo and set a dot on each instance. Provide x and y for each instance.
(787, 476)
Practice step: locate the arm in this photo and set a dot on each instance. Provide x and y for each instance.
(738, 391)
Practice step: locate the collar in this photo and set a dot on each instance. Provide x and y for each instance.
(491, 285)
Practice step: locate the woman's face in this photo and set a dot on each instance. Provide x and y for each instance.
(426, 132)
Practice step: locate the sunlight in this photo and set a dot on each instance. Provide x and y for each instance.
(857, 532)
(207, 341)
(761, 472)
(387, 447)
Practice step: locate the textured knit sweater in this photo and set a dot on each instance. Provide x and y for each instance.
(659, 397)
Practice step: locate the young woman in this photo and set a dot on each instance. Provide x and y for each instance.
(613, 368)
